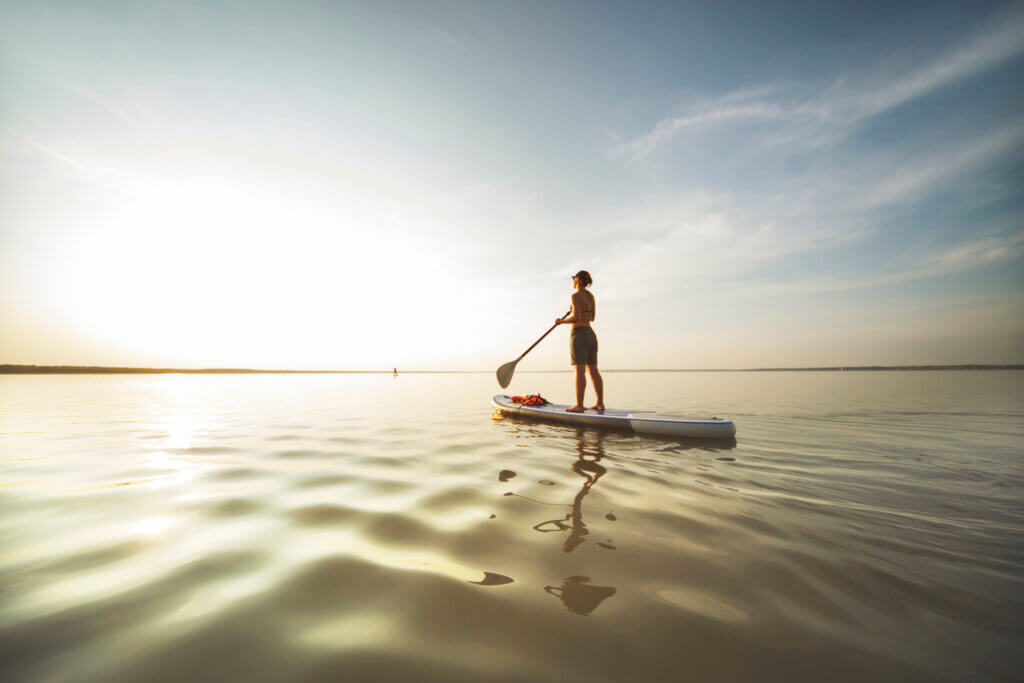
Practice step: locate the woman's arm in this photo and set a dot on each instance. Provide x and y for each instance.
(571, 318)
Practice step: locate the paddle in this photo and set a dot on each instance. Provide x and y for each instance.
(505, 371)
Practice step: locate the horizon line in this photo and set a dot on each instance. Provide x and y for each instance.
(19, 369)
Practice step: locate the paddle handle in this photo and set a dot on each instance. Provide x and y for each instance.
(541, 338)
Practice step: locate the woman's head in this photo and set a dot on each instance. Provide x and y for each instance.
(583, 277)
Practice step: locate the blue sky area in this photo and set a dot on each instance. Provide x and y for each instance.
(316, 184)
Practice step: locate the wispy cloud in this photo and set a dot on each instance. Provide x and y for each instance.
(973, 254)
(106, 104)
(884, 179)
(999, 42)
(685, 246)
(947, 260)
(704, 115)
(849, 100)
(707, 239)
(770, 232)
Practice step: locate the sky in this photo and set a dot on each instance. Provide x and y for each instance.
(343, 185)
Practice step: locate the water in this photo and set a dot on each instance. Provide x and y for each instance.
(864, 526)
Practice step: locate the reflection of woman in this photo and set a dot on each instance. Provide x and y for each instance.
(587, 467)
(591, 471)
(576, 592)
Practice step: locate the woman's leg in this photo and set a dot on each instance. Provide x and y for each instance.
(595, 379)
(581, 388)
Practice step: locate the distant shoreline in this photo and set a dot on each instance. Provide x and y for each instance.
(108, 370)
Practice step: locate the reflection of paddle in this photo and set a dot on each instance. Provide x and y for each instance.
(505, 371)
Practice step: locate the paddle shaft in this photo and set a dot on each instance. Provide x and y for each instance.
(541, 338)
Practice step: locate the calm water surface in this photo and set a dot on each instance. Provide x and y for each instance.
(863, 526)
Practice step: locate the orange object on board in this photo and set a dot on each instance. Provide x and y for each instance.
(531, 400)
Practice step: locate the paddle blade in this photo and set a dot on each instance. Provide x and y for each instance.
(505, 373)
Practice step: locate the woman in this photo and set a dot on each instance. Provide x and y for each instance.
(583, 341)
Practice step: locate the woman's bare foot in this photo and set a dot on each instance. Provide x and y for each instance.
(597, 406)
(576, 409)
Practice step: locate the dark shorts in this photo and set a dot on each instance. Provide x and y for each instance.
(583, 346)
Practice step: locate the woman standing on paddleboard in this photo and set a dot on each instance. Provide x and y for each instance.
(583, 341)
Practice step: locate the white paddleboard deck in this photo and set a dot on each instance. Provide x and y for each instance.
(639, 421)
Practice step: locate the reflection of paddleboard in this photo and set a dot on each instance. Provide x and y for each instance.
(639, 421)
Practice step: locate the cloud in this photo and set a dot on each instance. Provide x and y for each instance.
(837, 109)
(120, 113)
(714, 241)
(705, 115)
(754, 216)
(1000, 42)
(936, 262)
(687, 246)
(884, 181)
(973, 254)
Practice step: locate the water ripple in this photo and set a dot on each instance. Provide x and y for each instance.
(356, 528)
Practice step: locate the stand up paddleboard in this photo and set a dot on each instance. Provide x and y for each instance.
(639, 421)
